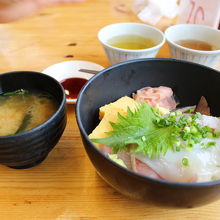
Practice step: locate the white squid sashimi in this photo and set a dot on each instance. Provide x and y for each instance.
(204, 163)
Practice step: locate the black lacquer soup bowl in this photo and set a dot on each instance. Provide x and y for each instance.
(29, 148)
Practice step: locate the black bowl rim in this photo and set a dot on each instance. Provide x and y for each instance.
(130, 172)
(39, 127)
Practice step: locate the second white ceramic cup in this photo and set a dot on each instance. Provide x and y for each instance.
(207, 34)
(116, 55)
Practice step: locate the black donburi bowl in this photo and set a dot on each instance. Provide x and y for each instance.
(189, 81)
(29, 148)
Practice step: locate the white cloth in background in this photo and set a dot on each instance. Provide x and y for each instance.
(151, 11)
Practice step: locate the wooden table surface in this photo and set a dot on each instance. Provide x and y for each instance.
(65, 186)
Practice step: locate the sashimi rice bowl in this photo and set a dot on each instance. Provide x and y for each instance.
(153, 137)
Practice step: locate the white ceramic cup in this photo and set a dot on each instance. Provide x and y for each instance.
(116, 55)
(207, 34)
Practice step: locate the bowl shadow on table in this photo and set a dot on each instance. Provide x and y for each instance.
(120, 206)
(139, 209)
(189, 82)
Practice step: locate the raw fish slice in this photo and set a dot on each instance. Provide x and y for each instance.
(162, 96)
(145, 170)
(212, 122)
(170, 167)
(204, 163)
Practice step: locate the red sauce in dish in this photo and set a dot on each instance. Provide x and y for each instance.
(72, 86)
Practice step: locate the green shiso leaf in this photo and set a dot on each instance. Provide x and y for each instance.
(139, 129)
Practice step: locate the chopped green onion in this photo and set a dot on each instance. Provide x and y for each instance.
(191, 110)
(178, 113)
(185, 162)
(187, 129)
(193, 130)
(216, 134)
(209, 144)
(177, 148)
(209, 135)
(191, 143)
(172, 114)
(189, 120)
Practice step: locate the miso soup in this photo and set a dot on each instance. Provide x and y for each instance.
(22, 110)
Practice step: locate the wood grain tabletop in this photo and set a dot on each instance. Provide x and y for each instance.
(65, 186)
